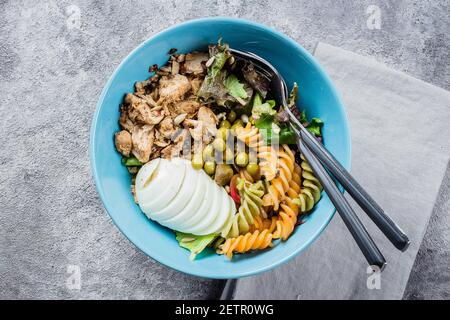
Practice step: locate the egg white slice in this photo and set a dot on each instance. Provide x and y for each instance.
(224, 213)
(161, 187)
(182, 198)
(146, 172)
(206, 198)
(200, 186)
(211, 214)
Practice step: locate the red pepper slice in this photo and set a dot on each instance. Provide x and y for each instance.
(234, 194)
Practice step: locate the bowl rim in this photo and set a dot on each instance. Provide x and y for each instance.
(264, 28)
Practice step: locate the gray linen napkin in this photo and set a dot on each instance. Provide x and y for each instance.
(400, 148)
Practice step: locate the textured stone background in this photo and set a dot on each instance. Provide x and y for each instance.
(51, 74)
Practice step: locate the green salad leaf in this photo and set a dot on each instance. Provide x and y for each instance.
(131, 162)
(257, 99)
(314, 126)
(193, 243)
(234, 87)
(221, 54)
(293, 95)
(261, 108)
(303, 117)
(266, 108)
(285, 136)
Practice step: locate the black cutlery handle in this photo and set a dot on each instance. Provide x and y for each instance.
(389, 228)
(354, 225)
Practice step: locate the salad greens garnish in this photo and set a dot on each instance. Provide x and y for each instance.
(220, 54)
(314, 126)
(235, 88)
(193, 243)
(131, 162)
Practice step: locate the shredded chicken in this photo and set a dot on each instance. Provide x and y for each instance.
(123, 142)
(193, 62)
(166, 128)
(190, 107)
(180, 143)
(143, 87)
(172, 88)
(160, 117)
(142, 138)
(196, 84)
(140, 111)
(205, 127)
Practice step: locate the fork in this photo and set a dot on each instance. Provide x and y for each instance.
(321, 160)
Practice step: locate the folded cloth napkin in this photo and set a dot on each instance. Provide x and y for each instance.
(400, 149)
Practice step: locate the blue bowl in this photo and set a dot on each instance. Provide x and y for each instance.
(317, 95)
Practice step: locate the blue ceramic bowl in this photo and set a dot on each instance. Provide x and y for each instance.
(317, 95)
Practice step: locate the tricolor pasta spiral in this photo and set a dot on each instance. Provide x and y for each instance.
(251, 202)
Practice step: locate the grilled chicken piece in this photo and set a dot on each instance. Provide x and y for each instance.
(205, 127)
(143, 87)
(142, 138)
(190, 107)
(166, 128)
(124, 121)
(123, 142)
(160, 140)
(179, 143)
(193, 62)
(172, 88)
(140, 111)
(196, 83)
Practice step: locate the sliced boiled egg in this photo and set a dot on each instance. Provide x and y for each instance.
(182, 198)
(156, 188)
(199, 186)
(179, 197)
(224, 212)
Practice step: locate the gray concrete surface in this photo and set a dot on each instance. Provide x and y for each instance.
(55, 57)
(430, 277)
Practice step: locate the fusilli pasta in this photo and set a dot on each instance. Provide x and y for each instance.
(250, 135)
(251, 202)
(250, 241)
(280, 184)
(311, 188)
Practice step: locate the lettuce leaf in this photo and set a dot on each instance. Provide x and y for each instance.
(293, 95)
(193, 243)
(234, 87)
(286, 135)
(261, 108)
(264, 109)
(314, 126)
(221, 54)
(257, 99)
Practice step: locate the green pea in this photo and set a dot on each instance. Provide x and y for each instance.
(209, 167)
(219, 144)
(222, 133)
(238, 123)
(197, 161)
(241, 159)
(231, 116)
(253, 169)
(225, 124)
(208, 152)
(229, 155)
